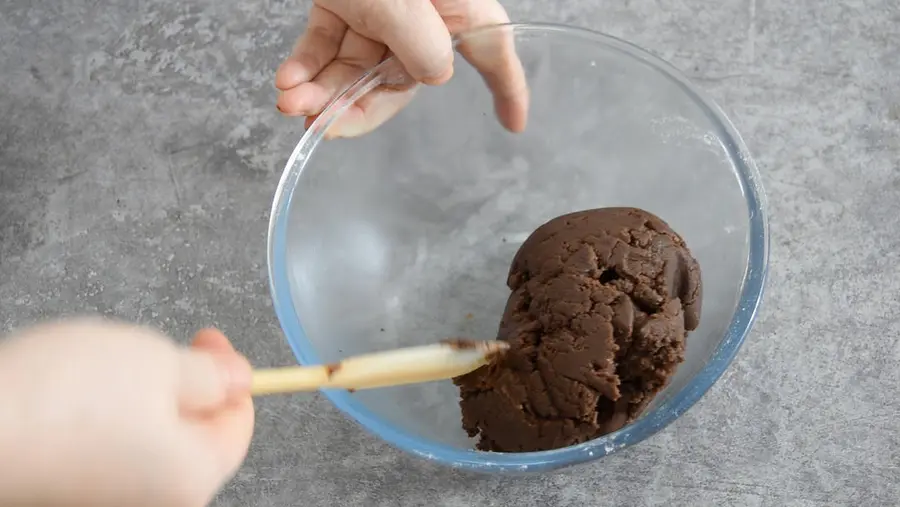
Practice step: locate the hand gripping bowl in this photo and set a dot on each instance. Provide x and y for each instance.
(404, 236)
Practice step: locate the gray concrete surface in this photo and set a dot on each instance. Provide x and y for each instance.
(139, 148)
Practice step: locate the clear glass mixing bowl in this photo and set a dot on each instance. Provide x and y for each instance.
(404, 236)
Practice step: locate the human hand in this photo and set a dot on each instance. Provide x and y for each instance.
(102, 414)
(344, 38)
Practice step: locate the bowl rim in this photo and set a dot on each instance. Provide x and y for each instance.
(752, 286)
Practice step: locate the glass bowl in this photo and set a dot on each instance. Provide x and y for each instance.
(404, 236)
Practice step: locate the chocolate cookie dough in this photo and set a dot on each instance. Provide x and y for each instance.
(597, 319)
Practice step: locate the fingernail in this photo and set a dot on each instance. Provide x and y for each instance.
(441, 78)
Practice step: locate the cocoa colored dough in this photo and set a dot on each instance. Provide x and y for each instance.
(596, 322)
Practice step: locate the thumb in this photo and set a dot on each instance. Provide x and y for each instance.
(208, 380)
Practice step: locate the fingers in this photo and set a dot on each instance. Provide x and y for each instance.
(417, 32)
(493, 54)
(374, 108)
(356, 55)
(413, 30)
(315, 49)
(369, 112)
(229, 427)
(228, 432)
(211, 374)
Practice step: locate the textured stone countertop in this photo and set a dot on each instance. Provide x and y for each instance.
(140, 147)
